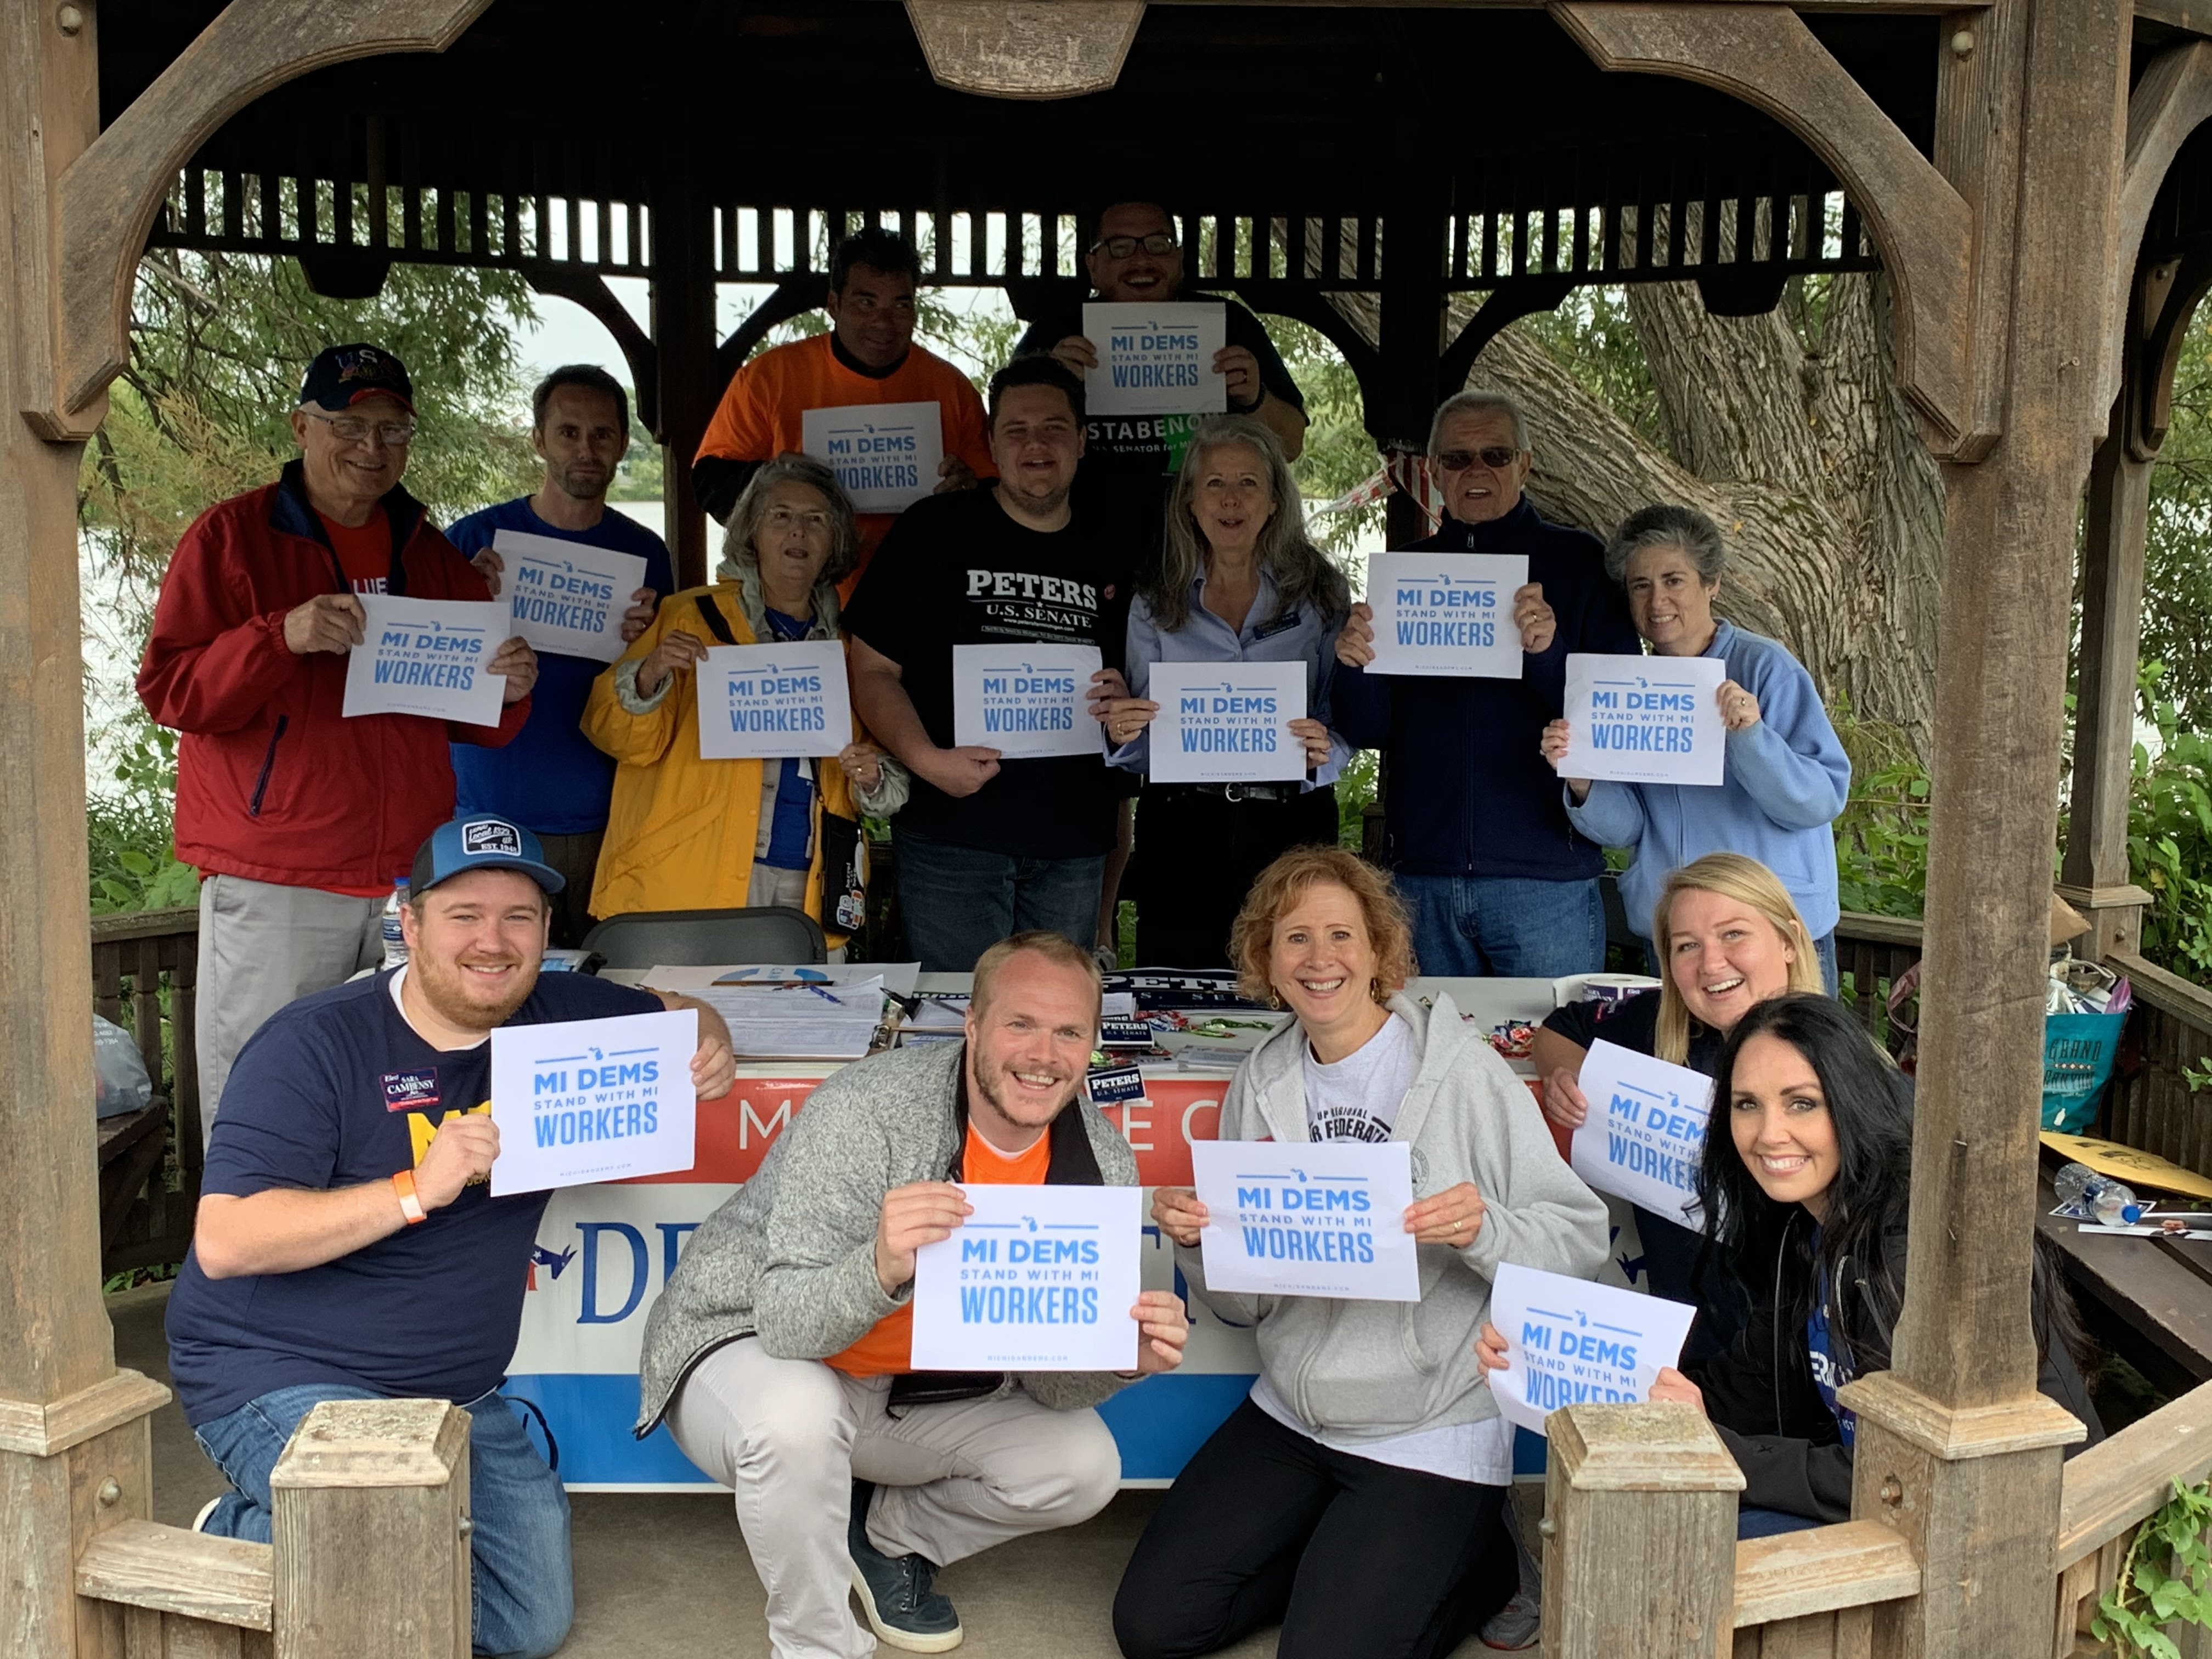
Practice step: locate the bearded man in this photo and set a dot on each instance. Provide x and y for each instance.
(348, 1246)
(780, 1354)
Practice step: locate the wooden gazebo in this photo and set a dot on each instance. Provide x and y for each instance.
(2030, 173)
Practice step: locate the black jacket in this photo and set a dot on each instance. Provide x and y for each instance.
(1761, 1396)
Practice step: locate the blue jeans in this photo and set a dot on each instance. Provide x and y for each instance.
(1505, 927)
(523, 1596)
(1769, 1524)
(959, 901)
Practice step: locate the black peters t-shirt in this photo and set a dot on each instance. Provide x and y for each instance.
(338, 1090)
(958, 569)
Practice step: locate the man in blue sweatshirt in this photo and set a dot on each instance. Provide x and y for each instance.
(1498, 881)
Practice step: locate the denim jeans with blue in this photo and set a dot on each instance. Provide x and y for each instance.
(519, 1579)
(1505, 927)
(958, 901)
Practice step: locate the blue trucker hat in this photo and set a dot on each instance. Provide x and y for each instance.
(481, 841)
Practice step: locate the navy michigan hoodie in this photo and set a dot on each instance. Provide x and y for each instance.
(1469, 794)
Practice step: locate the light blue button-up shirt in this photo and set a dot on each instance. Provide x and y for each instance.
(1299, 636)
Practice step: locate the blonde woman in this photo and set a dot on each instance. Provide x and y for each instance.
(1728, 936)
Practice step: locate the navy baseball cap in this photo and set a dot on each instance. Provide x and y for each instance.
(341, 375)
(480, 842)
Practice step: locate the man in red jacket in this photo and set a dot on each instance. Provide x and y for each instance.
(300, 820)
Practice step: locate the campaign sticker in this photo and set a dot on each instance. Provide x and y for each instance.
(410, 1091)
(1113, 1083)
(1124, 1034)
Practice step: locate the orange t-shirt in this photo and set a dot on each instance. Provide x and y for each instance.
(364, 551)
(888, 1348)
(763, 413)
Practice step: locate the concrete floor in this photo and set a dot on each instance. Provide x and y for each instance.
(665, 1574)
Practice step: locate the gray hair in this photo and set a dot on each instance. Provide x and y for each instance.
(1302, 571)
(791, 467)
(1478, 403)
(1665, 526)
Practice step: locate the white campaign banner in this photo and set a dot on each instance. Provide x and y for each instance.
(773, 702)
(1320, 1218)
(427, 657)
(885, 455)
(1645, 1135)
(1227, 722)
(1644, 719)
(1027, 701)
(1155, 360)
(1039, 1279)
(1568, 1341)
(568, 597)
(592, 1100)
(1446, 613)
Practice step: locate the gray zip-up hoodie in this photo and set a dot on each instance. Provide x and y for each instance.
(1372, 1370)
(790, 1257)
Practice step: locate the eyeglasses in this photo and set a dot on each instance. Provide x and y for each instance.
(1120, 248)
(1496, 457)
(352, 429)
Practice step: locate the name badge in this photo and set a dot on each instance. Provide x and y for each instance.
(1276, 624)
(410, 1091)
(1113, 1085)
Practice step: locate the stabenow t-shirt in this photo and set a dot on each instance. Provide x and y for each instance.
(888, 1348)
(338, 1090)
(551, 779)
(958, 569)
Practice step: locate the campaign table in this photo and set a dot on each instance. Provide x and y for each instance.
(603, 1253)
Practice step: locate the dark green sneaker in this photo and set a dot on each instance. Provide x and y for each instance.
(895, 1590)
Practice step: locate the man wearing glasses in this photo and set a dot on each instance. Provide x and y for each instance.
(300, 821)
(1475, 828)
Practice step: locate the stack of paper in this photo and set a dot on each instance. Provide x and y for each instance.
(806, 1020)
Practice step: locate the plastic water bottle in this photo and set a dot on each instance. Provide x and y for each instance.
(2112, 1202)
(395, 942)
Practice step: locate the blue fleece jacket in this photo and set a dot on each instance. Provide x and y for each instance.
(1468, 792)
(1786, 778)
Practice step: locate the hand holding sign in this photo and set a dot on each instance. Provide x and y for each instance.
(1646, 1138)
(462, 1150)
(329, 621)
(787, 702)
(1325, 1217)
(1447, 613)
(1228, 722)
(1034, 1278)
(436, 658)
(1644, 720)
(568, 597)
(591, 1100)
(1552, 1341)
(886, 456)
(1156, 359)
(920, 1213)
(1026, 701)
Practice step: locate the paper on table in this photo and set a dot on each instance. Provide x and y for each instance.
(811, 1022)
(1568, 1341)
(568, 597)
(427, 657)
(1644, 719)
(1318, 1218)
(1446, 613)
(1027, 701)
(939, 1013)
(898, 978)
(1039, 1279)
(1645, 1135)
(783, 702)
(1156, 359)
(591, 1100)
(885, 455)
(1227, 722)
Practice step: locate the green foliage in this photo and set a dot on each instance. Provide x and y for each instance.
(638, 476)
(2167, 1576)
(2170, 834)
(2178, 578)
(127, 831)
(1340, 455)
(1355, 788)
(1595, 339)
(1882, 838)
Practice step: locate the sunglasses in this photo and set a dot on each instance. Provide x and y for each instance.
(1120, 248)
(1497, 457)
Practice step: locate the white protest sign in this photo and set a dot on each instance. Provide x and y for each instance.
(1027, 701)
(1155, 360)
(1568, 1341)
(1316, 1217)
(1039, 1279)
(1645, 1135)
(588, 1100)
(885, 455)
(1446, 613)
(427, 657)
(1227, 722)
(1644, 719)
(567, 597)
(773, 702)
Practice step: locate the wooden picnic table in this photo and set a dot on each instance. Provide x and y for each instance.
(2149, 1300)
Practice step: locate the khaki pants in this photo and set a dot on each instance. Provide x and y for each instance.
(261, 947)
(789, 1437)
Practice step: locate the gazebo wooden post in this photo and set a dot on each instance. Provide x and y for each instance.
(75, 1451)
(1956, 1450)
(1411, 324)
(683, 338)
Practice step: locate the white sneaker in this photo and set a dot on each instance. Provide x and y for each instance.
(1517, 1626)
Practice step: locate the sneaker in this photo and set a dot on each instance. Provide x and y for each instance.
(200, 1521)
(1517, 1626)
(895, 1590)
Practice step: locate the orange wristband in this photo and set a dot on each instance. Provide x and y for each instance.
(402, 1182)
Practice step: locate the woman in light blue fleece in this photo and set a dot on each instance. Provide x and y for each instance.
(1787, 775)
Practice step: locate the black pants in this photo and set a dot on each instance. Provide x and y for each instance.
(1353, 1557)
(1197, 856)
